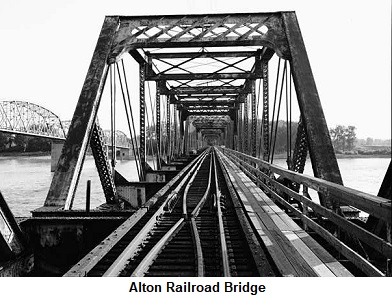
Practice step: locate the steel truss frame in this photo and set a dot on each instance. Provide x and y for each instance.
(269, 33)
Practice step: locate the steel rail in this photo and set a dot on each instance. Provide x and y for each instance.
(184, 201)
(198, 207)
(119, 264)
(199, 250)
(194, 230)
(148, 260)
(222, 238)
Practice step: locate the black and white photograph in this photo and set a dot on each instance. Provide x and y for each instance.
(194, 148)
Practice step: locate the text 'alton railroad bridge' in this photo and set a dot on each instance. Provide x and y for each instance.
(215, 204)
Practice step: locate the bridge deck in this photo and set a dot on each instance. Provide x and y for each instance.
(293, 250)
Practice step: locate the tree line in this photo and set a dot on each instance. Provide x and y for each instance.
(343, 138)
(20, 143)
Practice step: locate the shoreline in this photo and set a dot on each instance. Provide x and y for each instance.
(277, 156)
(23, 154)
(343, 156)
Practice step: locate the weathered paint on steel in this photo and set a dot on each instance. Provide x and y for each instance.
(66, 176)
(322, 155)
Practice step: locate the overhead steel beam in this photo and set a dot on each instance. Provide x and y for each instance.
(212, 96)
(204, 90)
(203, 76)
(195, 55)
(148, 69)
(205, 102)
(256, 29)
(205, 113)
(69, 167)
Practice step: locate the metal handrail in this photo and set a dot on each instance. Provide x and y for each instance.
(371, 204)
(372, 240)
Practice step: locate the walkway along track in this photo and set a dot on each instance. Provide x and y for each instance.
(192, 231)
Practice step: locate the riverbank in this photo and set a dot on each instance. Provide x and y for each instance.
(343, 156)
(14, 154)
(276, 156)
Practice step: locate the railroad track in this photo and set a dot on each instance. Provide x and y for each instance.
(193, 231)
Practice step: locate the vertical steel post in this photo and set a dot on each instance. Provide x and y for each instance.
(113, 117)
(240, 130)
(186, 137)
(158, 121)
(175, 150)
(142, 106)
(265, 116)
(246, 123)
(322, 154)
(254, 119)
(168, 129)
(88, 192)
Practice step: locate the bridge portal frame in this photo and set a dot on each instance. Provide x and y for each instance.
(119, 35)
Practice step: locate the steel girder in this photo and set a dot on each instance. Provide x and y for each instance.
(218, 30)
(67, 173)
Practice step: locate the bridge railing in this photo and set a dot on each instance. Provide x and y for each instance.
(264, 173)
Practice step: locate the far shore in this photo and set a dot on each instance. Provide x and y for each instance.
(343, 156)
(39, 153)
(277, 156)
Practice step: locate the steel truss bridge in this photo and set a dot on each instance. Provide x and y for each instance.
(26, 118)
(227, 80)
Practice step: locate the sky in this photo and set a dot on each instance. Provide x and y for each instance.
(46, 47)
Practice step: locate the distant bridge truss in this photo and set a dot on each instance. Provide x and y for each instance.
(22, 117)
(30, 119)
(122, 140)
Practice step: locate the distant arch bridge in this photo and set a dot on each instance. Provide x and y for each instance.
(26, 118)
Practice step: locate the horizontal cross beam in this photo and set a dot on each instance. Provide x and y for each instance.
(205, 102)
(181, 55)
(202, 76)
(203, 90)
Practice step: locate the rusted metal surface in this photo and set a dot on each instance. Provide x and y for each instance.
(142, 120)
(158, 120)
(373, 224)
(322, 154)
(12, 240)
(102, 164)
(253, 120)
(262, 29)
(226, 90)
(246, 125)
(265, 114)
(66, 176)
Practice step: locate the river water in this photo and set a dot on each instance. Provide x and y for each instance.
(25, 181)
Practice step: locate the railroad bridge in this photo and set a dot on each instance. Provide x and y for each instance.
(29, 119)
(216, 204)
